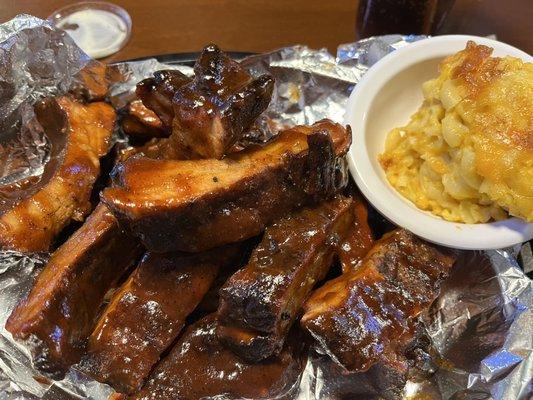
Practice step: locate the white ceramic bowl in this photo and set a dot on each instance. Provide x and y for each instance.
(389, 93)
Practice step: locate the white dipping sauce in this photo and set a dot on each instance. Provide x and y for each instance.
(99, 33)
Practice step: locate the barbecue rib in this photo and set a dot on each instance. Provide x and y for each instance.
(157, 93)
(221, 103)
(196, 205)
(369, 315)
(199, 367)
(207, 114)
(141, 123)
(259, 303)
(59, 313)
(147, 313)
(33, 223)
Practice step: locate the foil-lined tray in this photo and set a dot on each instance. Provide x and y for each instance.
(480, 326)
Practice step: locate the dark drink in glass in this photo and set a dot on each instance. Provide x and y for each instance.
(381, 17)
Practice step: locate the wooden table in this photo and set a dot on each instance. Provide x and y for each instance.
(168, 26)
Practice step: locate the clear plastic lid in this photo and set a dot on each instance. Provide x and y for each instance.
(98, 28)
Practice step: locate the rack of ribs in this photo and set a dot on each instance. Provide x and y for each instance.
(200, 367)
(60, 312)
(260, 302)
(368, 315)
(33, 223)
(175, 205)
(146, 314)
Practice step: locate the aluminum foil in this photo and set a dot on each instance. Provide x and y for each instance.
(480, 326)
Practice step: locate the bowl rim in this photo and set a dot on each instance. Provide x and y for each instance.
(396, 208)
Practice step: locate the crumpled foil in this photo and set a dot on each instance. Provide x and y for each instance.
(481, 324)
